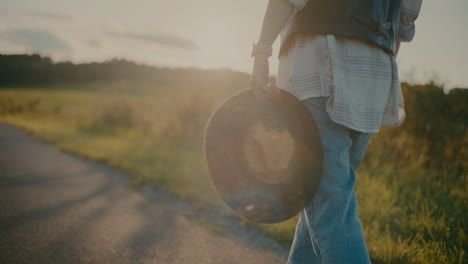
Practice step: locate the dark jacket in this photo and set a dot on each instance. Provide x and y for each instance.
(374, 21)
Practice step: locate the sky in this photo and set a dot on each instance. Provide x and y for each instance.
(207, 34)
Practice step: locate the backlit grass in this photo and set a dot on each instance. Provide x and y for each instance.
(410, 213)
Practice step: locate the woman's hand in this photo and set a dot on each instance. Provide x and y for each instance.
(260, 74)
(259, 80)
(276, 16)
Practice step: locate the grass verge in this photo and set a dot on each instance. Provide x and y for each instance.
(410, 214)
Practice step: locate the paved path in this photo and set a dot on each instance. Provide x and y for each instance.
(59, 208)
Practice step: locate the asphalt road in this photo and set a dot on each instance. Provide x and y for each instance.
(60, 208)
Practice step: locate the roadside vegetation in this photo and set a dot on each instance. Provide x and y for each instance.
(412, 185)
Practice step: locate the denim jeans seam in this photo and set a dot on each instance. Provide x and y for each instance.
(310, 227)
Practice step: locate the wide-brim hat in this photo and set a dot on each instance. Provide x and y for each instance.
(264, 156)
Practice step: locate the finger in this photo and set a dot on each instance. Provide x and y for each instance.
(274, 89)
(260, 92)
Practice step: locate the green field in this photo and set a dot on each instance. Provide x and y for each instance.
(412, 186)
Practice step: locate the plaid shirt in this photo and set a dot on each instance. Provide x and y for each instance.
(360, 80)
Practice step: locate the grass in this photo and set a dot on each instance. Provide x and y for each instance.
(111, 128)
(212, 228)
(410, 214)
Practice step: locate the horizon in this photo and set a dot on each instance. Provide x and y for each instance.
(175, 67)
(208, 34)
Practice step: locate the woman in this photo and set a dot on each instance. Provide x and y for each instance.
(339, 58)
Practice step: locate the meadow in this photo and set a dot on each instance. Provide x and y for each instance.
(412, 186)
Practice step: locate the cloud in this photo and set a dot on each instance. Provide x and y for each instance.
(51, 16)
(159, 39)
(93, 43)
(38, 40)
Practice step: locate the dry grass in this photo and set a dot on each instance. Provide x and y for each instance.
(410, 214)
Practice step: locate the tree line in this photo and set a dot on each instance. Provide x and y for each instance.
(37, 70)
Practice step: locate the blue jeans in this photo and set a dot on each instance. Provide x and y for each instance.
(329, 230)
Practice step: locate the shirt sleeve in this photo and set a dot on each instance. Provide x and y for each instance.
(409, 13)
(298, 4)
